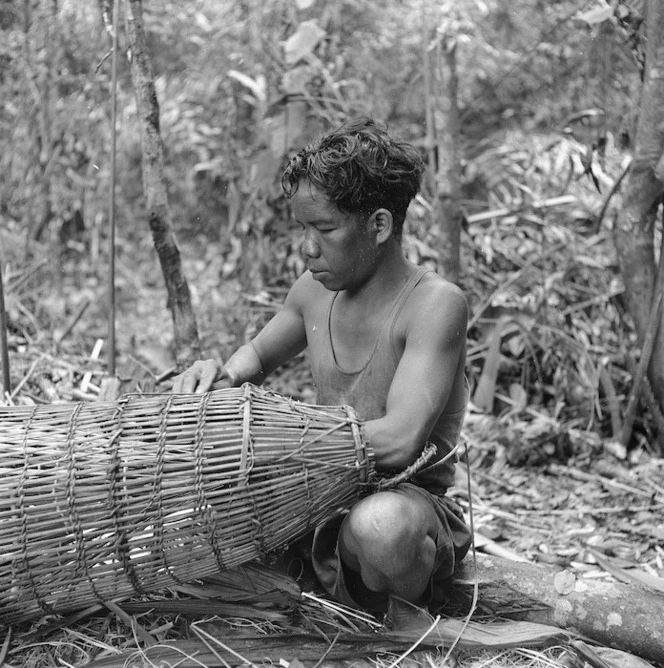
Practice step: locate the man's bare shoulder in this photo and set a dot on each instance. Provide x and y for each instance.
(304, 291)
(437, 291)
(436, 304)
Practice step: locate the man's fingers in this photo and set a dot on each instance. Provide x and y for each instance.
(197, 378)
(186, 382)
(207, 374)
(181, 384)
(222, 384)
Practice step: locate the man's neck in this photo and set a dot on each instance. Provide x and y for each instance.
(390, 273)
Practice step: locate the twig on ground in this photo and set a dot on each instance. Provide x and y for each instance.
(72, 323)
(593, 510)
(328, 650)
(205, 636)
(513, 517)
(342, 611)
(5, 646)
(655, 486)
(506, 484)
(130, 620)
(25, 378)
(602, 480)
(491, 547)
(416, 644)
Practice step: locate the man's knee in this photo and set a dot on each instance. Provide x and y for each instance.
(388, 522)
(390, 539)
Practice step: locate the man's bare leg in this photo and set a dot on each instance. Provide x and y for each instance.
(389, 540)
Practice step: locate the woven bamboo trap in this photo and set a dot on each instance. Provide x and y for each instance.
(100, 501)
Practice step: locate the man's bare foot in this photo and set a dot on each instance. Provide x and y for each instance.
(403, 615)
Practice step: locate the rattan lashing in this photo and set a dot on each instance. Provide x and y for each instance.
(100, 501)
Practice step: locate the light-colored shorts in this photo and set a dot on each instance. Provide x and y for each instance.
(453, 540)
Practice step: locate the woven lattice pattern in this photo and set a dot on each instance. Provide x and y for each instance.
(105, 500)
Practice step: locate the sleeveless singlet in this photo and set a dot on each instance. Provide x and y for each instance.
(366, 389)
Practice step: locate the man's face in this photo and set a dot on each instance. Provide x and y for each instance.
(338, 247)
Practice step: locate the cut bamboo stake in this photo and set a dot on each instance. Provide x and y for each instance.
(4, 344)
(111, 204)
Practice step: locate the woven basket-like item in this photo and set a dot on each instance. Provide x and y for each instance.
(106, 500)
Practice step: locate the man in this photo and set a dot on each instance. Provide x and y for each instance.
(386, 338)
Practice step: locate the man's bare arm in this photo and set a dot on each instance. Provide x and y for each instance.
(431, 368)
(282, 338)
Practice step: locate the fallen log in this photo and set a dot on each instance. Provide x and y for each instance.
(614, 614)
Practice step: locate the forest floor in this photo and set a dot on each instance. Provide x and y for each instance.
(582, 509)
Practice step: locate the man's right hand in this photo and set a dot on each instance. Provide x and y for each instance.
(198, 378)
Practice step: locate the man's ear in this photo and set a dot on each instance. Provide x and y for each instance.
(383, 225)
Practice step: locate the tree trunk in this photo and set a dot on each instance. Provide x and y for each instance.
(614, 614)
(187, 343)
(644, 188)
(447, 208)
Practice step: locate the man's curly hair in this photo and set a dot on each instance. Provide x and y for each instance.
(360, 168)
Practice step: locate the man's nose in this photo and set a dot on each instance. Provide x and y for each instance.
(310, 247)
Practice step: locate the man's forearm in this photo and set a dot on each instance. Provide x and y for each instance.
(395, 443)
(243, 366)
